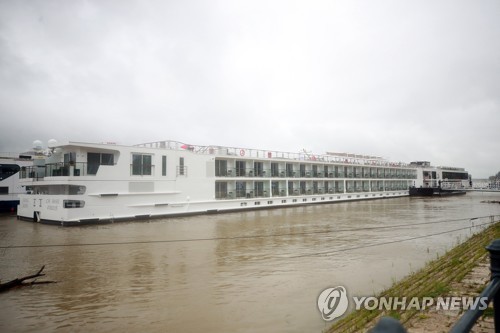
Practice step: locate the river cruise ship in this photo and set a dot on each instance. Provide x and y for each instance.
(81, 183)
(439, 180)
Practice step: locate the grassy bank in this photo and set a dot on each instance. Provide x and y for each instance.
(433, 280)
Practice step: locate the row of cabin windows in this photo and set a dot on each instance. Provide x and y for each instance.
(455, 175)
(242, 189)
(221, 169)
(142, 165)
(221, 189)
(92, 158)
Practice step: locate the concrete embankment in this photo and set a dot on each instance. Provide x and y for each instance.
(462, 271)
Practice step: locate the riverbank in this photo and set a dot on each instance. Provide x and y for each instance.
(462, 271)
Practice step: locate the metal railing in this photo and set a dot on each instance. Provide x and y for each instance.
(470, 317)
(61, 169)
(281, 173)
(341, 158)
(468, 320)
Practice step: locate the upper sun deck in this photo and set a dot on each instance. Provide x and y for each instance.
(426, 164)
(238, 152)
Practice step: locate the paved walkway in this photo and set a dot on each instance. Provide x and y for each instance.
(434, 321)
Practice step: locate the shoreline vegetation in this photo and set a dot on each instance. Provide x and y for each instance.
(434, 280)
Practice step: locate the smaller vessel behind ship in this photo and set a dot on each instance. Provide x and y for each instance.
(10, 188)
(439, 180)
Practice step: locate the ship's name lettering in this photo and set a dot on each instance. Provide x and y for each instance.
(53, 201)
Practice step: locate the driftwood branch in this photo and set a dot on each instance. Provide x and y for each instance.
(20, 281)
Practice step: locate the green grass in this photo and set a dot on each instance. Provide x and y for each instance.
(433, 280)
(489, 312)
(439, 288)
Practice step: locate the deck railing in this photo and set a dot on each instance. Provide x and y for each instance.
(62, 169)
(341, 158)
(281, 173)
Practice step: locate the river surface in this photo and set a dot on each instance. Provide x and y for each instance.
(256, 271)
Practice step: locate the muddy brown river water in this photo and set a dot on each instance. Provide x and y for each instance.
(256, 271)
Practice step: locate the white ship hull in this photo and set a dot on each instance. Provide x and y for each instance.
(50, 210)
(101, 183)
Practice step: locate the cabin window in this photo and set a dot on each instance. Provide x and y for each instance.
(302, 187)
(302, 170)
(141, 165)
(220, 168)
(4, 190)
(455, 175)
(274, 170)
(164, 165)
(59, 189)
(73, 203)
(220, 190)
(259, 189)
(94, 160)
(70, 157)
(275, 188)
(240, 168)
(182, 170)
(7, 170)
(241, 190)
(259, 169)
(107, 159)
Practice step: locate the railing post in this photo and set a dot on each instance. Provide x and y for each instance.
(388, 325)
(494, 249)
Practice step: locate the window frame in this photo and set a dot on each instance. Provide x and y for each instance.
(140, 166)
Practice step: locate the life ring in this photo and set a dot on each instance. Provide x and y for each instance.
(242, 152)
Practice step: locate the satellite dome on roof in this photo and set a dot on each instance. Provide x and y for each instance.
(52, 143)
(37, 145)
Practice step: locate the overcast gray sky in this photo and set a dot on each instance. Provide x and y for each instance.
(406, 80)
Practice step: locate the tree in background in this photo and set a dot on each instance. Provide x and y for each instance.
(495, 177)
